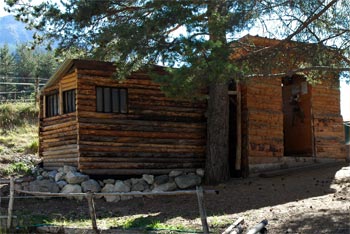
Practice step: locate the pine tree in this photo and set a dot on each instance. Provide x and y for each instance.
(194, 39)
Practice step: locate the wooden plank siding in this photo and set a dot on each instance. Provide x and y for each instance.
(328, 123)
(58, 134)
(157, 135)
(262, 119)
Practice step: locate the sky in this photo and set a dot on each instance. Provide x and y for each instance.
(344, 88)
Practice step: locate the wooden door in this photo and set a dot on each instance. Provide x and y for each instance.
(297, 125)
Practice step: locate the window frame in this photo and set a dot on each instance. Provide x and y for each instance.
(106, 101)
(52, 104)
(69, 101)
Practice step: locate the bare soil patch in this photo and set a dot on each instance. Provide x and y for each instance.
(301, 202)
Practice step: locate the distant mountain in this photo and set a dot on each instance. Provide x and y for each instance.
(13, 32)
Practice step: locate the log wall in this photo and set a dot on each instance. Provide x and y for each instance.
(328, 123)
(58, 134)
(262, 120)
(157, 135)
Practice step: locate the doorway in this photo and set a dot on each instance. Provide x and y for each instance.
(297, 121)
(236, 164)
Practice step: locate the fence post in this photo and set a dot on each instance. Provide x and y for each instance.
(92, 211)
(202, 211)
(10, 208)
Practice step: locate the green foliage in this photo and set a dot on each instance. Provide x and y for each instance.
(16, 115)
(17, 168)
(194, 36)
(33, 147)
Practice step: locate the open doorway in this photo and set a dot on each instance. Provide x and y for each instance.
(236, 164)
(297, 121)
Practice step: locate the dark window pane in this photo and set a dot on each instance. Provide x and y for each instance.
(51, 105)
(107, 99)
(123, 101)
(99, 99)
(115, 100)
(69, 101)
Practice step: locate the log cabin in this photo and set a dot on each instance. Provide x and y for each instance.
(108, 127)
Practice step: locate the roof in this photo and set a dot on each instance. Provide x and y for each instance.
(84, 64)
(70, 64)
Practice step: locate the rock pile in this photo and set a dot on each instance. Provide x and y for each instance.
(68, 180)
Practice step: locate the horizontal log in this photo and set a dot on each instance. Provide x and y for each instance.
(63, 147)
(67, 130)
(110, 83)
(58, 139)
(55, 156)
(94, 80)
(141, 128)
(59, 118)
(140, 154)
(141, 116)
(140, 160)
(60, 160)
(196, 142)
(59, 143)
(69, 78)
(58, 126)
(140, 145)
(59, 152)
(163, 124)
(168, 135)
(134, 165)
(136, 148)
(56, 165)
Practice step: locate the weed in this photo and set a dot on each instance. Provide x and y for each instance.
(16, 115)
(17, 168)
(33, 147)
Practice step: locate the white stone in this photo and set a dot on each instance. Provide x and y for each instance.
(148, 178)
(72, 188)
(175, 173)
(109, 181)
(61, 183)
(200, 172)
(91, 186)
(67, 169)
(75, 177)
(187, 181)
(171, 186)
(44, 186)
(343, 175)
(120, 186)
(59, 176)
(109, 188)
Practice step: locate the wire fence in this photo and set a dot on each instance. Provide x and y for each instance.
(89, 196)
(20, 89)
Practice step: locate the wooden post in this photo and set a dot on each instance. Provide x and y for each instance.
(92, 212)
(239, 128)
(10, 208)
(202, 211)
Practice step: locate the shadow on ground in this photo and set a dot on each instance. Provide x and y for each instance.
(237, 195)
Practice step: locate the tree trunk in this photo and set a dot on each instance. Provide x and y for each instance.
(217, 166)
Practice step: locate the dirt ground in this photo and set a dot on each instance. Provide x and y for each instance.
(298, 202)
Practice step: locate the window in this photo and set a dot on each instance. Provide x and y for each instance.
(52, 105)
(111, 100)
(68, 101)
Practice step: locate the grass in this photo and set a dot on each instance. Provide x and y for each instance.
(18, 137)
(139, 222)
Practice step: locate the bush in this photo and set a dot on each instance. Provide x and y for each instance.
(16, 115)
(18, 168)
(33, 147)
